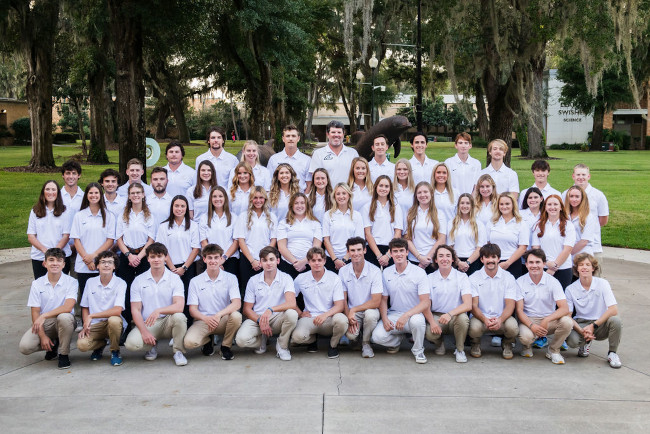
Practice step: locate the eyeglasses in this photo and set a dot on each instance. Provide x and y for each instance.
(106, 262)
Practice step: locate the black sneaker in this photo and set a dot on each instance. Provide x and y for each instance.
(64, 361)
(313, 347)
(226, 353)
(208, 349)
(97, 354)
(332, 352)
(54, 352)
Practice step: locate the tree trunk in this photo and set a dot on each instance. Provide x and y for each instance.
(597, 136)
(80, 126)
(161, 119)
(536, 145)
(98, 134)
(234, 121)
(126, 26)
(481, 112)
(38, 27)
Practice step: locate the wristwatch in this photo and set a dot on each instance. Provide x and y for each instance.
(126, 255)
(184, 267)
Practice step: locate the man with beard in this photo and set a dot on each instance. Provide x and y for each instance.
(160, 201)
(222, 161)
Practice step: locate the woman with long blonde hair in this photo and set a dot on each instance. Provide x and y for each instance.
(443, 193)
(217, 227)
(485, 198)
(510, 232)
(284, 185)
(467, 235)
(250, 153)
(382, 221)
(404, 184)
(339, 224)
(360, 182)
(425, 228)
(320, 196)
(584, 221)
(241, 187)
(297, 233)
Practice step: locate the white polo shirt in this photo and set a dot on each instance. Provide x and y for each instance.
(599, 207)
(47, 297)
(49, 230)
(340, 227)
(447, 293)
(72, 203)
(360, 197)
(300, 235)
(99, 298)
(589, 232)
(508, 236)
(485, 214)
(137, 231)
(337, 166)
(222, 164)
(492, 292)
(319, 296)
(360, 289)
(90, 230)
(179, 180)
(405, 289)
(386, 168)
(531, 221)
(159, 207)
(319, 207)
(155, 295)
(444, 205)
(299, 161)
(590, 304)
(239, 205)
(463, 241)
(553, 242)
(463, 173)
(124, 189)
(200, 204)
(117, 206)
(422, 238)
(505, 178)
(404, 197)
(264, 296)
(383, 229)
(260, 233)
(422, 171)
(179, 242)
(212, 296)
(261, 174)
(539, 299)
(282, 207)
(546, 192)
(219, 232)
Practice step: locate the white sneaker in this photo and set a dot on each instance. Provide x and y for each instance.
(496, 341)
(527, 352)
(556, 358)
(282, 353)
(420, 358)
(180, 359)
(171, 342)
(460, 356)
(152, 354)
(79, 327)
(583, 351)
(440, 351)
(614, 360)
(262, 348)
(367, 352)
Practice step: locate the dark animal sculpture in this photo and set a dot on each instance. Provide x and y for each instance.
(391, 127)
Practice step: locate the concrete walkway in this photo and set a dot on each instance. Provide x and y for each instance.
(311, 393)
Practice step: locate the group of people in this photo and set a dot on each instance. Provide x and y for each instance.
(324, 245)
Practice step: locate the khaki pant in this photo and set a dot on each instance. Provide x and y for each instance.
(306, 331)
(61, 328)
(96, 339)
(367, 322)
(508, 330)
(611, 331)
(416, 325)
(559, 328)
(282, 324)
(458, 325)
(170, 326)
(199, 333)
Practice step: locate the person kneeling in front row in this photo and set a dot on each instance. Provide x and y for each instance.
(596, 310)
(269, 305)
(214, 302)
(157, 301)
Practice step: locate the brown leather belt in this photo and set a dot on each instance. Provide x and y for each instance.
(135, 251)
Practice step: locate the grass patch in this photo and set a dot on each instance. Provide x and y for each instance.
(623, 176)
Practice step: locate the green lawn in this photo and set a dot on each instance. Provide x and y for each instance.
(623, 176)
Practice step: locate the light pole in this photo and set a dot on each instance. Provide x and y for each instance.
(373, 62)
(359, 80)
(418, 43)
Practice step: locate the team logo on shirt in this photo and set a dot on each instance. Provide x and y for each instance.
(328, 157)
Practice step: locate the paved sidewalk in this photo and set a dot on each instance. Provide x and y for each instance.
(312, 394)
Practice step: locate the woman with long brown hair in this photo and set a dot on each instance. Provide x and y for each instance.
(197, 195)
(382, 221)
(320, 196)
(217, 227)
(510, 232)
(297, 233)
(467, 235)
(284, 185)
(425, 229)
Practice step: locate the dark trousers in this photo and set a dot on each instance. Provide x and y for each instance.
(286, 267)
(128, 274)
(428, 270)
(564, 277)
(40, 271)
(476, 265)
(82, 278)
(516, 269)
(372, 258)
(245, 273)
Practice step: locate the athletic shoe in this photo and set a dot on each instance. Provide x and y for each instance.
(97, 354)
(367, 352)
(507, 352)
(262, 348)
(179, 359)
(527, 352)
(54, 352)
(564, 346)
(393, 350)
(116, 358)
(313, 347)
(420, 358)
(208, 349)
(583, 351)
(171, 342)
(282, 353)
(496, 341)
(460, 356)
(79, 327)
(475, 351)
(64, 361)
(152, 354)
(556, 358)
(440, 351)
(344, 340)
(332, 352)
(612, 358)
(540, 342)
(226, 353)
(215, 340)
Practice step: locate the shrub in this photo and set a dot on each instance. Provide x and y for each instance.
(568, 146)
(59, 138)
(4, 132)
(22, 131)
(647, 143)
(479, 143)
